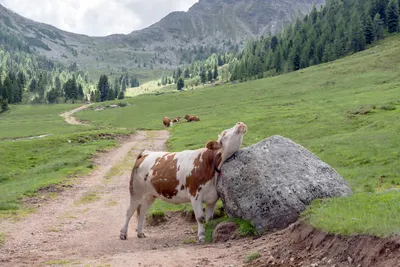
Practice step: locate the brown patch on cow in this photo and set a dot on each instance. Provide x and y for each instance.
(167, 121)
(192, 118)
(182, 187)
(140, 158)
(203, 170)
(213, 145)
(164, 177)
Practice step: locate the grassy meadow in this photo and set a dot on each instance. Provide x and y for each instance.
(346, 112)
(29, 164)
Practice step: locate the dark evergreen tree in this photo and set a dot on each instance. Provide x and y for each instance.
(393, 16)
(203, 77)
(103, 87)
(215, 74)
(80, 91)
(110, 94)
(369, 31)
(180, 84)
(8, 90)
(378, 27)
(209, 76)
(186, 74)
(3, 105)
(121, 95)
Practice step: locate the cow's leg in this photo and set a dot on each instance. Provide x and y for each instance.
(144, 207)
(136, 198)
(198, 212)
(210, 211)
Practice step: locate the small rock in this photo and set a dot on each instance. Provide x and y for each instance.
(292, 259)
(228, 245)
(350, 260)
(69, 141)
(314, 265)
(323, 259)
(270, 259)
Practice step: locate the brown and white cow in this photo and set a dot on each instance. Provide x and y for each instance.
(191, 118)
(178, 119)
(181, 177)
(167, 122)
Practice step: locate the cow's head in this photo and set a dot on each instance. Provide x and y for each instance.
(229, 141)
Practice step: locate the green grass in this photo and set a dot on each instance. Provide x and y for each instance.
(346, 112)
(245, 229)
(2, 239)
(253, 256)
(57, 262)
(364, 213)
(87, 198)
(31, 164)
(34, 120)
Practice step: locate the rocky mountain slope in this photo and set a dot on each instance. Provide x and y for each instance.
(215, 25)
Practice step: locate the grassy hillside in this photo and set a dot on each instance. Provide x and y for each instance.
(346, 112)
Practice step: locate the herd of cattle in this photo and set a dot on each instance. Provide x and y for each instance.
(168, 122)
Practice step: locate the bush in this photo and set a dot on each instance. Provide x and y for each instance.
(3, 105)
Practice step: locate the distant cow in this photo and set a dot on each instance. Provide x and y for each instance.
(190, 118)
(167, 122)
(177, 119)
(181, 177)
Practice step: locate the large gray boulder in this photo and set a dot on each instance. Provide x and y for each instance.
(272, 181)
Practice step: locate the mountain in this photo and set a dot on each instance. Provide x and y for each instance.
(208, 26)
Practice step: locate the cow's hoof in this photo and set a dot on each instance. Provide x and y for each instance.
(123, 236)
(141, 235)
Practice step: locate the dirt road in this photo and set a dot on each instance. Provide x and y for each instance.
(71, 119)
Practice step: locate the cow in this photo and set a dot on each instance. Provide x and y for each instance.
(178, 119)
(167, 122)
(191, 118)
(181, 177)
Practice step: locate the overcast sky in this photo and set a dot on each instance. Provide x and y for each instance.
(97, 17)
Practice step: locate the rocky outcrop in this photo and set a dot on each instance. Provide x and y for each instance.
(272, 182)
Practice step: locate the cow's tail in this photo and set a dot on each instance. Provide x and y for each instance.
(135, 167)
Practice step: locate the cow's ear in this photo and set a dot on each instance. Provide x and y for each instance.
(213, 145)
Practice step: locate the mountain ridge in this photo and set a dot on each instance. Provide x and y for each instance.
(215, 25)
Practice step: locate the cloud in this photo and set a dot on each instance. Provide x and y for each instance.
(97, 17)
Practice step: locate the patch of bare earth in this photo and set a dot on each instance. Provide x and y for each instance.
(71, 119)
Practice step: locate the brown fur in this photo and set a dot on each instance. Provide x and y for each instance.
(213, 145)
(164, 177)
(203, 170)
(167, 122)
(192, 118)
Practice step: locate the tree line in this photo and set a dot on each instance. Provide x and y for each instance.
(339, 28)
(28, 78)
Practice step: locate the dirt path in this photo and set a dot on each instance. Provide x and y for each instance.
(81, 226)
(68, 115)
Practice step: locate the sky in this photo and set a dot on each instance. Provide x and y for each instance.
(97, 17)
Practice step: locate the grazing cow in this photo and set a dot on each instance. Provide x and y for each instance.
(181, 177)
(167, 122)
(177, 119)
(190, 118)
